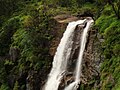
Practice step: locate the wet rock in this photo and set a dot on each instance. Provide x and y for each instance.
(92, 55)
(91, 59)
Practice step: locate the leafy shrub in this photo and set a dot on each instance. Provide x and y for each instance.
(16, 86)
(4, 87)
(107, 10)
(6, 33)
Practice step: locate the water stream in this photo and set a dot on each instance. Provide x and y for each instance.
(74, 85)
(62, 56)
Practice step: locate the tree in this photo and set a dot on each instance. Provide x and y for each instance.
(115, 4)
(116, 7)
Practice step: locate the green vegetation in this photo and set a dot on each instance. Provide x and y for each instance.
(26, 32)
(109, 26)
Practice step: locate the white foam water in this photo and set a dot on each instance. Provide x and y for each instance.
(61, 57)
(74, 85)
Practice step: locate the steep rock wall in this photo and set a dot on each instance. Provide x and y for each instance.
(91, 59)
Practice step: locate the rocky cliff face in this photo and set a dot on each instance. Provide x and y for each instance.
(91, 60)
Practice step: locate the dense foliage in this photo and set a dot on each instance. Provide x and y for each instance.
(109, 27)
(26, 31)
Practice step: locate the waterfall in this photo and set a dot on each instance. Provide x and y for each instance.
(61, 57)
(74, 85)
(82, 47)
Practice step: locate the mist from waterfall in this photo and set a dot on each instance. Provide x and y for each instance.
(61, 57)
(74, 85)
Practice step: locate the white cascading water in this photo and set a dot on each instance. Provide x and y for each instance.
(74, 85)
(61, 57)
